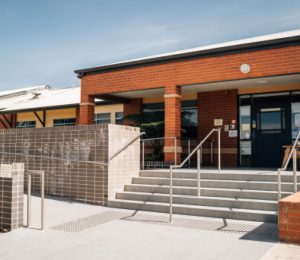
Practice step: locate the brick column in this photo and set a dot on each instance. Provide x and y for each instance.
(172, 122)
(289, 219)
(133, 107)
(87, 110)
(11, 198)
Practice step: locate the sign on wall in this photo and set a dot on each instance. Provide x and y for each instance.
(233, 133)
(218, 122)
(6, 170)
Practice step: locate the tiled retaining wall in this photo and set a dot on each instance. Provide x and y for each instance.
(11, 198)
(44, 149)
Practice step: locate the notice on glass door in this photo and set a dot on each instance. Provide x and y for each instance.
(297, 120)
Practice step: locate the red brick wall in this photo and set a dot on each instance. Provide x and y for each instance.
(277, 61)
(268, 62)
(289, 219)
(133, 107)
(219, 105)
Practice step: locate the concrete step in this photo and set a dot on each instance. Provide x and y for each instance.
(227, 184)
(265, 205)
(210, 192)
(217, 212)
(264, 176)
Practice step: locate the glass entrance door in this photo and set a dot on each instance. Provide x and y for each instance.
(271, 130)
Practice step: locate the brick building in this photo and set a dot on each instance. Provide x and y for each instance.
(250, 88)
(44, 106)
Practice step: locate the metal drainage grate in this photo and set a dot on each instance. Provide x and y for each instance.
(89, 222)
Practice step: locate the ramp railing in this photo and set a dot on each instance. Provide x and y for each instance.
(126, 145)
(41, 174)
(143, 141)
(198, 150)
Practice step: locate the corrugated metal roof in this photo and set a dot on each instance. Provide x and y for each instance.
(37, 98)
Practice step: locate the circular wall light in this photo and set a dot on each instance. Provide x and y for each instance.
(245, 68)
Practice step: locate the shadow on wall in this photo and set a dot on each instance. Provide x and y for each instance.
(74, 158)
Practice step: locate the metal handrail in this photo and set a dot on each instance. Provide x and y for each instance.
(197, 149)
(54, 158)
(126, 145)
(42, 184)
(293, 153)
(158, 138)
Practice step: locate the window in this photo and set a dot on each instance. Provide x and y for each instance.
(153, 112)
(295, 119)
(245, 120)
(119, 117)
(245, 153)
(64, 121)
(271, 120)
(26, 124)
(102, 118)
(153, 119)
(189, 118)
(245, 131)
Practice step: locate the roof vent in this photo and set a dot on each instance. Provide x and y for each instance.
(35, 95)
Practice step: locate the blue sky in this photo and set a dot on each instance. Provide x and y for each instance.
(43, 41)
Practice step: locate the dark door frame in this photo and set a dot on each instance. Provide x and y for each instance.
(292, 98)
(282, 102)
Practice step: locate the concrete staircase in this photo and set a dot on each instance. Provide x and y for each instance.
(244, 195)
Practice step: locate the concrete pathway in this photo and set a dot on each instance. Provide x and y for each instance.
(80, 231)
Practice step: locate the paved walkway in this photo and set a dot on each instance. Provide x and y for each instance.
(80, 231)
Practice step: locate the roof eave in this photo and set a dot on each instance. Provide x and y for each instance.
(194, 54)
(218, 50)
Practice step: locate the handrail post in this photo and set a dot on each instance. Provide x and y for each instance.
(171, 195)
(279, 184)
(198, 171)
(143, 154)
(200, 154)
(189, 151)
(42, 199)
(219, 149)
(175, 151)
(295, 169)
(212, 152)
(29, 200)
